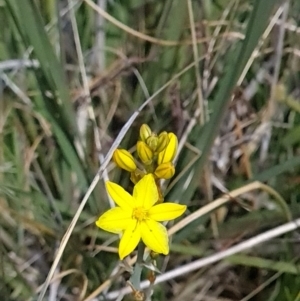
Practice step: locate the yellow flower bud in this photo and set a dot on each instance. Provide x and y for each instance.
(124, 159)
(145, 132)
(168, 154)
(152, 142)
(163, 141)
(144, 152)
(165, 170)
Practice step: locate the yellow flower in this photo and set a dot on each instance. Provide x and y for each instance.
(165, 170)
(168, 154)
(138, 217)
(124, 159)
(144, 152)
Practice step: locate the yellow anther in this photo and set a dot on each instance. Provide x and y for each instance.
(139, 213)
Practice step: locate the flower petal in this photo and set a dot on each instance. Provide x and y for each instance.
(145, 192)
(114, 220)
(120, 196)
(166, 211)
(155, 236)
(130, 239)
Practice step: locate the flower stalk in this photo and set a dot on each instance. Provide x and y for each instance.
(137, 217)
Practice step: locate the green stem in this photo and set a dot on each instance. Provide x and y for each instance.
(135, 279)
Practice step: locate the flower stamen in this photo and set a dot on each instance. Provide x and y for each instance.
(139, 213)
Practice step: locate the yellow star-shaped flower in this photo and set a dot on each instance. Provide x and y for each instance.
(138, 217)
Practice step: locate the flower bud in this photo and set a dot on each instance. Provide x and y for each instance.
(163, 141)
(168, 154)
(165, 170)
(145, 132)
(152, 142)
(124, 159)
(144, 152)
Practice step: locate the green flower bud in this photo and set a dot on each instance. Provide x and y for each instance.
(144, 152)
(165, 170)
(136, 176)
(168, 154)
(152, 142)
(124, 159)
(145, 132)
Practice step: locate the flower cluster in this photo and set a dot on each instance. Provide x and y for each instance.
(156, 153)
(137, 216)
